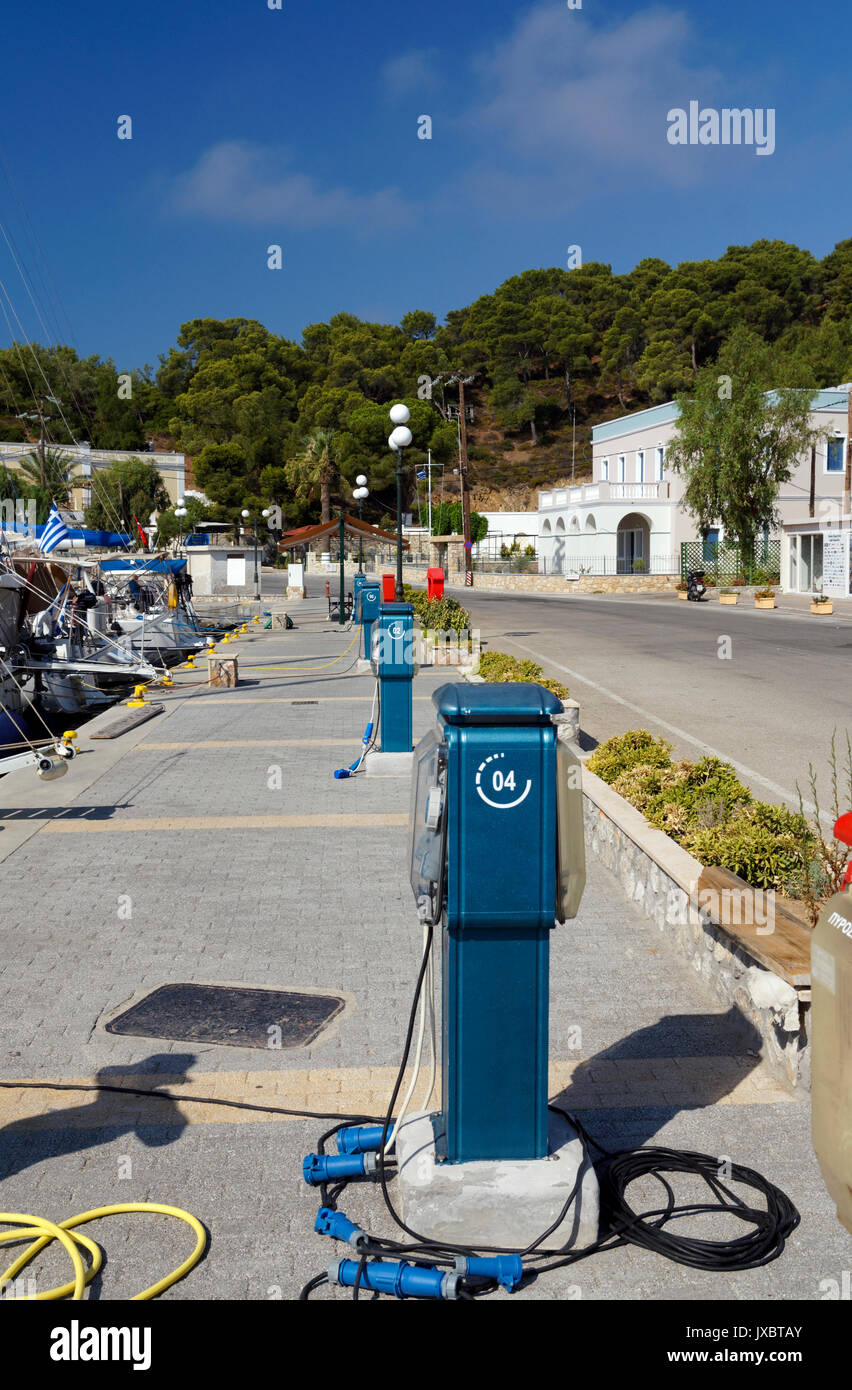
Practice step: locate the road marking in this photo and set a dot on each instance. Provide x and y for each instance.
(341, 821)
(707, 748)
(288, 699)
(247, 743)
(582, 1084)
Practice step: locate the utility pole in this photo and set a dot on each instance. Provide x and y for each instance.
(848, 478)
(465, 495)
(41, 462)
(341, 616)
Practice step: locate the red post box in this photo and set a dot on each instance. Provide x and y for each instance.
(388, 587)
(434, 584)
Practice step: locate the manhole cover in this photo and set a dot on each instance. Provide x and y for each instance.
(304, 702)
(229, 1015)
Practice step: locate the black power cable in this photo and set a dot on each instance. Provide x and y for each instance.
(623, 1225)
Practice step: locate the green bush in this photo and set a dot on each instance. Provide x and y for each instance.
(759, 855)
(710, 786)
(625, 751)
(441, 615)
(500, 666)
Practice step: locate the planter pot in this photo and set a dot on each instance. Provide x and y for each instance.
(681, 593)
(729, 598)
(822, 609)
(764, 602)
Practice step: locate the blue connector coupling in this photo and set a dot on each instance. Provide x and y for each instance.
(319, 1168)
(393, 1277)
(508, 1270)
(335, 1224)
(361, 1139)
(368, 733)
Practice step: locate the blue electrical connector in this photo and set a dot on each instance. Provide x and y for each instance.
(395, 1277)
(508, 1270)
(319, 1168)
(339, 1227)
(342, 772)
(361, 1139)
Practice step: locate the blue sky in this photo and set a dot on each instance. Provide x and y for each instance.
(299, 127)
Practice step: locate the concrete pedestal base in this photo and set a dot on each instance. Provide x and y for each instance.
(504, 1202)
(362, 665)
(389, 764)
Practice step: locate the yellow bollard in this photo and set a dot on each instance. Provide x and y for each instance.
(138, 698)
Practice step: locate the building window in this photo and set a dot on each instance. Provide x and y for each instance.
(834, 455)
(659, 463)
(622, 468)
(605, 471)
(640, 465)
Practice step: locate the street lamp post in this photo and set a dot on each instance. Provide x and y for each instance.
(245, 515)
(180, 513)
(399, 440)
(359, 493)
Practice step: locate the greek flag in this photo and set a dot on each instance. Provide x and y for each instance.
(54, 531)
(421, 475)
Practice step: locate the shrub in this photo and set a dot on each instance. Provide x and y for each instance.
(500, 666)
(759, 855)
(625, 751)
(695, 785)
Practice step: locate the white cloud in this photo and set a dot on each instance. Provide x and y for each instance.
(560, 89)
(235, 181)
(411, 72)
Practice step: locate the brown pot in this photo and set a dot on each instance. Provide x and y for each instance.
(764, 602)
(729, 598)
(822, 610)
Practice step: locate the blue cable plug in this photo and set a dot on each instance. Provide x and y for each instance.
(508, 1270)
(339, 1227)
(319, 1168)
(397, 1278)
(361, 1139)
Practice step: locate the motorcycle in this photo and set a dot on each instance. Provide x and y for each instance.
(695, 586)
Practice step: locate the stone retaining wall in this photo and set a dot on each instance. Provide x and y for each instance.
(661, 879)
(554, 583)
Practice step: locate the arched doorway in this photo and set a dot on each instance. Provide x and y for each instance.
(633, 542)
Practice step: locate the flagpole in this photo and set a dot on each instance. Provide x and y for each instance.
(429, 467)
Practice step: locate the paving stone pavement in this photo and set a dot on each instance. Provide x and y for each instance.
(91, 919)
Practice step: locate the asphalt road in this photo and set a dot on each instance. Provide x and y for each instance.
(765, 690)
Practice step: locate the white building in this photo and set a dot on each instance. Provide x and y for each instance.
(630, 519)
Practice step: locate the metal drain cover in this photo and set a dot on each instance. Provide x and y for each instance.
(229, 1015)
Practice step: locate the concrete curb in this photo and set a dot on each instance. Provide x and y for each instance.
(661, 879)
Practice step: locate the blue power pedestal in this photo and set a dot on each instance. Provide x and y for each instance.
(368, 601)
(497, 856)
(392, 658)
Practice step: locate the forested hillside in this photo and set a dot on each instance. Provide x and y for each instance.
(551, 352)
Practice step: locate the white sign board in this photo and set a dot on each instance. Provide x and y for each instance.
(835, 562)
(236, 576)
(295, 576)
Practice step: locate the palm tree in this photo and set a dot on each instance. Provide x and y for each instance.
(313, 471)
(53, 478)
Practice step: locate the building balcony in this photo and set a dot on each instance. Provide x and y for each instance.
(603, 492)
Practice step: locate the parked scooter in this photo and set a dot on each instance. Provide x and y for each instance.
(695, 586)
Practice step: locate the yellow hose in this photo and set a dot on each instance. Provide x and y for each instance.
(41, 1232)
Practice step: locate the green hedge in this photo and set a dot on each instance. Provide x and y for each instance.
(500, 666)
(707, 809)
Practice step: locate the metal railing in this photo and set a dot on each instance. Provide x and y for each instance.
(600, 566)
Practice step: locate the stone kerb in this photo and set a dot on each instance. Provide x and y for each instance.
(661, 878)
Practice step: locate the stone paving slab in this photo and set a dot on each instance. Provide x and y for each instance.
(90, 919)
